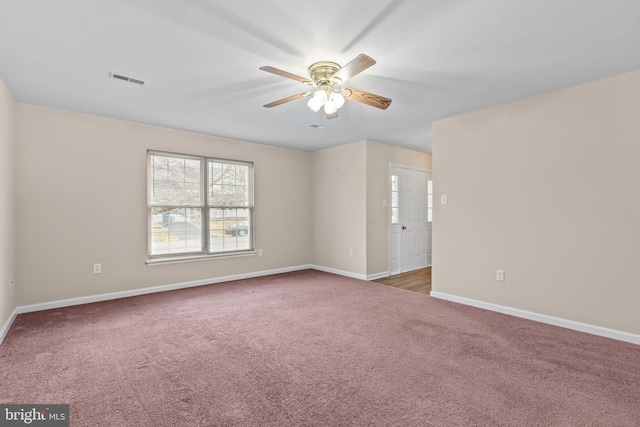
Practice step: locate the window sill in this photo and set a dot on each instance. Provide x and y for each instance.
(190, 258)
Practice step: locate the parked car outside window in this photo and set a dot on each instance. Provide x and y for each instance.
(237, 229)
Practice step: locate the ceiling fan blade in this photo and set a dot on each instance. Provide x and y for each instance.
(356, 66)
(332, 116)
(287, 99)
(287, 75)
(366, 98)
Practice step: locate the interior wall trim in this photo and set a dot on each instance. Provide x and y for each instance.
(543, 318)
(377, 276)
(7, 325)
(569, 324)
(143, 291)
(151, 290)
(339, 272)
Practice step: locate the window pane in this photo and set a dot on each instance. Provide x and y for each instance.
(237, 196)
(430, 186)
(215, 194)
(215, 173)
(229, 184)
(216, 230)
(394, 200)
(229, 174)
(394, 182)
(230, 230)
(175, 231)
(174, 180)
(394, 215)
(242, 175)
(192, 170)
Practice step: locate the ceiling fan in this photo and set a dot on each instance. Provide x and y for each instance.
(325, 76)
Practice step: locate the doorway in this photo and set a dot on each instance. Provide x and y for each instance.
(415, 281)
(410, 218)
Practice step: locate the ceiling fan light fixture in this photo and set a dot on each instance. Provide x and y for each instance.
(325, 76)
(315, 104)
(317, 100)
(330, 107)
(320, 94)
(337, 99)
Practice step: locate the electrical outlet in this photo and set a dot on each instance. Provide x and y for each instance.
(97, 268)
(350, 252)
(259, 252)
(500, 275)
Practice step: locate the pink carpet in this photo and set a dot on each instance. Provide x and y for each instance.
(313, 349)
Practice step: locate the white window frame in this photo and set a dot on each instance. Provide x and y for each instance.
(205, 207)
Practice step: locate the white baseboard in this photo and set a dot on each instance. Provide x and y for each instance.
(340, 272)
(543, 318)
(7, 325)
(135, 292)
(143, 291)
(151, 290)
(377, 276)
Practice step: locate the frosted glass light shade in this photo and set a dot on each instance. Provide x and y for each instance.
(317, 100)
(315, 104)
(338, 99)
(330, 107)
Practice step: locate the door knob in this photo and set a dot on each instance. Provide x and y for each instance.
(404, 227)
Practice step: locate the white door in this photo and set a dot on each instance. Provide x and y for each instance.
(409, 228)
(413, 219)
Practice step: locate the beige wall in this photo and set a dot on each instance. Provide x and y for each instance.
(546, 189)
(81, 192)
(339, 208)
(378, 158)
(350, 184)
(7, 217)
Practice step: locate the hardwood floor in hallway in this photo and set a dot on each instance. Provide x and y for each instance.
(415, 281)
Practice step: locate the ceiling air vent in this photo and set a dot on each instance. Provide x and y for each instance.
(127, 79)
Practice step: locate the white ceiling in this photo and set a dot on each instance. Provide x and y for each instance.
(435, 58)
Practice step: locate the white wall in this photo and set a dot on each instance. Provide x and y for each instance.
(339, 208)
(7, 217)
(546, 189)
(81, 199)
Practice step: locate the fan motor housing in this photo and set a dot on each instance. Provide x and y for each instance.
(321, 73)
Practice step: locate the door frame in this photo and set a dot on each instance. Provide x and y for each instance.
(428, 173)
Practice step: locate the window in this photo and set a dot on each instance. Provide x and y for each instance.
(394, 199)
(429, 198)
(198, 205)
